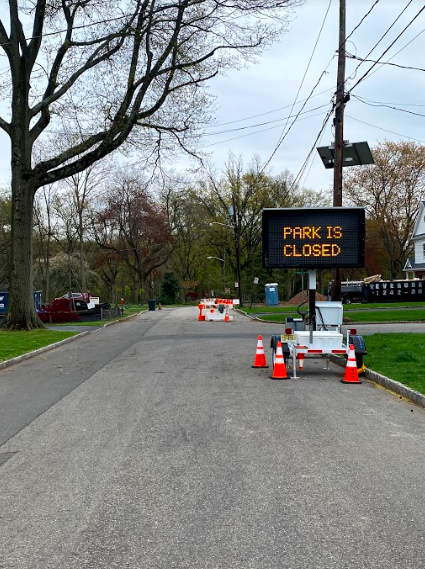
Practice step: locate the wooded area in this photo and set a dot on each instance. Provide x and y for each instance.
(119, 235)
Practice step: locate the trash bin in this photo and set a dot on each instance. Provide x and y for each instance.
(272, 294)
(151, 304)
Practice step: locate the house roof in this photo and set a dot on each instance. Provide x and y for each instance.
(417, 237)
(419, 217)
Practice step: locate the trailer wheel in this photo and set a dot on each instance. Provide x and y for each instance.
(361, 368)
(273, 356)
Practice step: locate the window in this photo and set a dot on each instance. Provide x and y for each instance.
(423, 250)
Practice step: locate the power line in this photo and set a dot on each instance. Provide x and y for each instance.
(292, 124)
(387, 103)
(321, 132)
(389, 107)
(310, 60)
(381, 63)
(267, 112)
(351, 56)
(388, 48)
(317, 94)
(352, 76)
(313, 148)
(285, 131)
(361, 21)
(258, 132)
(48, 131)
(386, 130)
(263, 123)
(302, 184)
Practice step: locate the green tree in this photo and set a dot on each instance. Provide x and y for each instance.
(234, 203)
(169, 290)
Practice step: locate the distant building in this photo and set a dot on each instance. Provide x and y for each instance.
(415, 266)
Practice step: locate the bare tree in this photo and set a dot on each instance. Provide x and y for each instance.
(113, 72)
(66, 233)
(83, 186)
(137, 228)
(44, 232)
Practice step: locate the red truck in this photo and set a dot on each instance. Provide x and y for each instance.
(76, 308)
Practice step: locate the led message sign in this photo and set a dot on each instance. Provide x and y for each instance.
(313, 238)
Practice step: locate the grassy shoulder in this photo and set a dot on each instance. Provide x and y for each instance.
(398, 356)
(399, 315)
(367, 313)
(13, 344)
(284, 308)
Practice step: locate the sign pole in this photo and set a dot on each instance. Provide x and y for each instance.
(312, 302)
(339, 132)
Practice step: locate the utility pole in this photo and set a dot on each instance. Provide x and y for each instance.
(339, 130)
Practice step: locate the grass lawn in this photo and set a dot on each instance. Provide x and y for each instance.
(367, 313)
(398, 356)
(277, 317)
(283, 309)
(400, 315)
(14, 344)
(387, 305)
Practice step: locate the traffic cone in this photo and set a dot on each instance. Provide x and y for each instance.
(351, 374)
(201, 316)
(260, 356)
(279, 370)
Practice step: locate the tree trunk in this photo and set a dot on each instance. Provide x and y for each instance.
(21, 313)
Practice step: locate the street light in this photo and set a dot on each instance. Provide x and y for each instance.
(234, 226)
(223, 269)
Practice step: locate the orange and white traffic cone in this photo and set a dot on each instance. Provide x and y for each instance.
(201, 316)
(351, 374)
(260, 356)
(279, 370)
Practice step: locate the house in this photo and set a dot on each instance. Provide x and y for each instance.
(415, 266)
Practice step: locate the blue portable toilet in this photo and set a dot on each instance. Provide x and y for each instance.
(272, 294)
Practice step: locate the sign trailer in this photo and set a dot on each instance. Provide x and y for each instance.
(320, 238)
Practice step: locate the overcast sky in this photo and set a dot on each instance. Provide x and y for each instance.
(274, 83)
(263, 89)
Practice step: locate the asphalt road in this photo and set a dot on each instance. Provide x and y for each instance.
(154, 444)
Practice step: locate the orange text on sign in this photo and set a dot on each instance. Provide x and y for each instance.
(313, 232)
(316, 250)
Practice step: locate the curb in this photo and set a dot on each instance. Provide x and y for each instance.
(121, 320)
(29, 355)
(388, 383)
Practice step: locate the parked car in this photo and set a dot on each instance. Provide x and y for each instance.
(351, 292)
(83, 295)
(62, 310)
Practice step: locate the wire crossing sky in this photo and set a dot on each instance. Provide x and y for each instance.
(292, 86)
